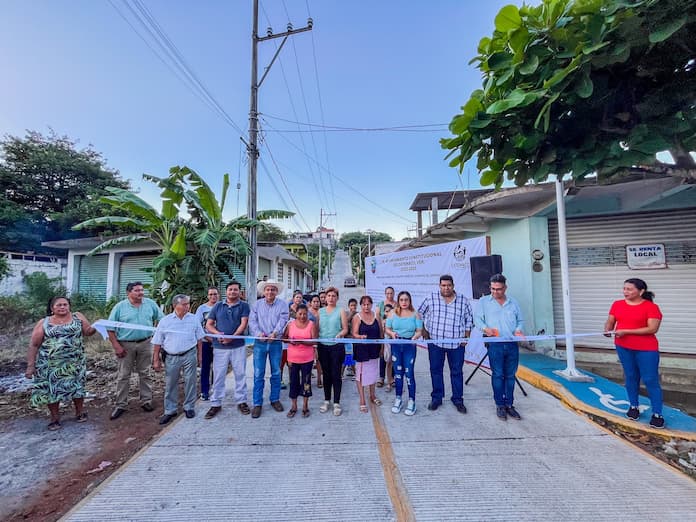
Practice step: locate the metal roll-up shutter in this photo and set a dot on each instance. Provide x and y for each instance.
(264, 267)
(92, 276)
(597, 263)
(132, 269)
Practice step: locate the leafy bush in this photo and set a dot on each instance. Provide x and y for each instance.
(92, 308)
(41, 288)
(18, 311)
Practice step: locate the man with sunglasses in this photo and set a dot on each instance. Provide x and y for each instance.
(498, 315)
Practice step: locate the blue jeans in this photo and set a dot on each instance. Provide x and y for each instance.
(644, 365)
(403, 361)
(273, 351)
(455, 359)
(504, 359)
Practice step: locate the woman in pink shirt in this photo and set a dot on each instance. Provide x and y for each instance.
(301, 357)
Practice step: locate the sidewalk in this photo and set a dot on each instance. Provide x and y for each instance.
(602, 398)
(440, 465)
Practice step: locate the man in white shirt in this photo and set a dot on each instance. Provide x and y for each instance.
(180, 336)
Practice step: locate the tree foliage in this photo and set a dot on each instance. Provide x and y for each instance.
(48, 186)
(271, 233)
(582, 86)
(195, 251)
(360, 240)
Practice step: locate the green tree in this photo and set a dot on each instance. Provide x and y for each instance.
(48, 186)
(271, 233)
(195, 252)
(582, 87)
(359, 240)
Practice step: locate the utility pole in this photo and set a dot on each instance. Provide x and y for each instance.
(252, 148)
(322, 215)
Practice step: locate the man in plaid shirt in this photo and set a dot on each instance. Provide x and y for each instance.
(447, 315)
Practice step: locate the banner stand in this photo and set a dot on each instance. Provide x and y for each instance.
(478, 367)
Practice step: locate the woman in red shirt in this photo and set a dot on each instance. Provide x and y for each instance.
(634, 321)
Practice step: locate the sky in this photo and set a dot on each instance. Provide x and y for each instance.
(89, 69)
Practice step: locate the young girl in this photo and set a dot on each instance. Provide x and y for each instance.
(314, 306)
(404, 323)
(366, 325)
(301, 357)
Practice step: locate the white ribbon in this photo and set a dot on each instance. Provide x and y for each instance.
(102, 325)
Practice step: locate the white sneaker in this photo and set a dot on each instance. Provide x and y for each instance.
(397, 405)
(324, 407)
(337, 409)
(410, 408)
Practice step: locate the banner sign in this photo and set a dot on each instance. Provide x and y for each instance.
(418, 272)
(646, 257)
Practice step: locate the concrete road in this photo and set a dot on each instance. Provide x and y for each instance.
(553, 465)
(435, 466)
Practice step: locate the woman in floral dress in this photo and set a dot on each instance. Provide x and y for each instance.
(57, 360)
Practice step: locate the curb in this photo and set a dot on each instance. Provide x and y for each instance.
(559, 391)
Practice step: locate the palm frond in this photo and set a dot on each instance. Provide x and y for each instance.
(118, 241)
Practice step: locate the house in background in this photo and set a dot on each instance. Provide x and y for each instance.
(602, 222)
(23, 264)
(106, 275)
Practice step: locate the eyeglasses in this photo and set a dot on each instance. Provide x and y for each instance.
(497, 289)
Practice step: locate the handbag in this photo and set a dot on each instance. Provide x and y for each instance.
(386, 353)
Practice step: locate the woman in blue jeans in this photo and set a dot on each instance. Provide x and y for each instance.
(634, 321)
(404, 323)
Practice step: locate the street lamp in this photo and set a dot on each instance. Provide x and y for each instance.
(369, 233)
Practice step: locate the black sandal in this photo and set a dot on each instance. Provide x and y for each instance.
(291, 413)
(305, 413)
(55, 426)
(82, 417)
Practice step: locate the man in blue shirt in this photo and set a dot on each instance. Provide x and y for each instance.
(229, 317)
(498, 315)
(267, 322)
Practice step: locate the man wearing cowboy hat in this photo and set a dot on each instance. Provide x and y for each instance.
(266, 323)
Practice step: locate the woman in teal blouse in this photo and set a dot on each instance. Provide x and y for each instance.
(404, 323)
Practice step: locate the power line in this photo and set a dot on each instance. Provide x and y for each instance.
(280, 194)
(180, 59)
(306, 108)
(323, 131)
(317, 180)
(282, 179)
(441, 126)
(321, 109)
(169, 50)
(346, 184)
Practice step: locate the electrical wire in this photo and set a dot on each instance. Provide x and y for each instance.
(423, 127)
(316, 179)
(282, 179)
(306, 108)
(177, 65)
(321, 107)
(346, 184)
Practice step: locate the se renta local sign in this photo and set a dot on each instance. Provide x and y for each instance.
(646, 257)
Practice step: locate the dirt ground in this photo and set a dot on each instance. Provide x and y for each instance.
(43, 473)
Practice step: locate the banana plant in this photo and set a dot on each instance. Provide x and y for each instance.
(197, 249)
